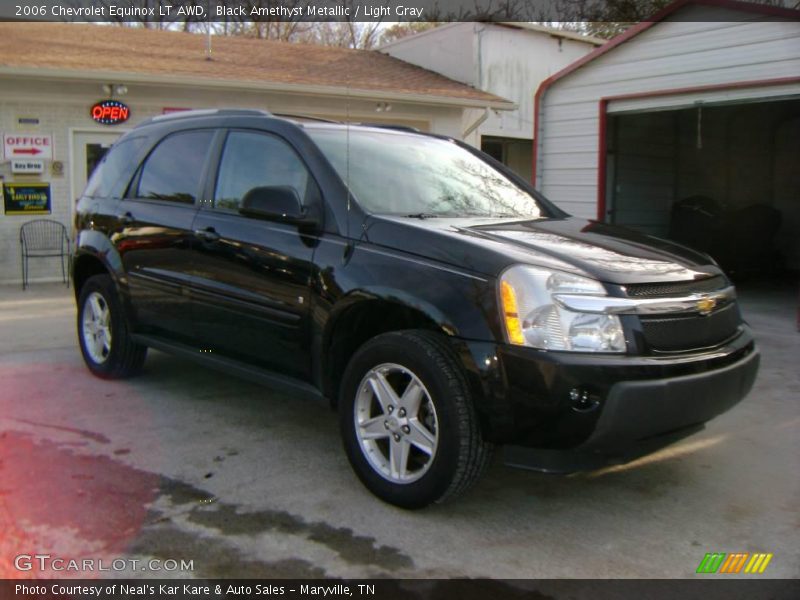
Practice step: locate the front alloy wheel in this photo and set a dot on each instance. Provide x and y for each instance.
(408, 424)
(396, 424)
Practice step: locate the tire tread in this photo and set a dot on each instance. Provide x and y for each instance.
(476, 454)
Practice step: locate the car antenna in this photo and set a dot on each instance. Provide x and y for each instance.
(347, 158)
(349, 246)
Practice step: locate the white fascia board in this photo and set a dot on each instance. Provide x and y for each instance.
(416, 36)
(263, 86)
(552, 31)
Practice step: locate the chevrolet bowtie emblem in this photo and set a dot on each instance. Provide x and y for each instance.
(706, 305)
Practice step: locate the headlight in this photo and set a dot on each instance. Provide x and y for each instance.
(533, 317)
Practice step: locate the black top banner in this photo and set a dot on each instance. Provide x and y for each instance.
(220, 11)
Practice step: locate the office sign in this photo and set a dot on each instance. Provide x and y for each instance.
(27, 198)
(27, 145)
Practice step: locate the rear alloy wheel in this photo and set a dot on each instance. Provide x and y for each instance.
(103, 333)
(96, 323)
(407, 420)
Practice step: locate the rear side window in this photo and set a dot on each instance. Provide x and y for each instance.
(174, 170)
(252, 160)
(114, 172)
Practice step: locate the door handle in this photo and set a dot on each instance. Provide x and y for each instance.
(126, 219)
(208, 234)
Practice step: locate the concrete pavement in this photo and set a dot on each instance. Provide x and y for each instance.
(186, 463)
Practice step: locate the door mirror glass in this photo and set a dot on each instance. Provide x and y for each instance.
(275, 203)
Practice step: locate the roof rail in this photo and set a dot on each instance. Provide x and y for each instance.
(390, 126)
(304, 118)
(205, 112)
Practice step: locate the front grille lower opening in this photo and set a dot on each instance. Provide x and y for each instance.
(690, 332)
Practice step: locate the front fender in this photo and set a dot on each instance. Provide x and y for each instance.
(395, 297)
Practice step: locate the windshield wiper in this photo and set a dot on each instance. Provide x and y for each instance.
(422, 215)
(492, 215)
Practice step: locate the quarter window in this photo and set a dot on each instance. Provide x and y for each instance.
(252, 160)
(173, 171)
(114, 172)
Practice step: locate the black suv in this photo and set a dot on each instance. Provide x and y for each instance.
(434, 298)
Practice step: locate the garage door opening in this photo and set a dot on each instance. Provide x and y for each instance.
(722, 178)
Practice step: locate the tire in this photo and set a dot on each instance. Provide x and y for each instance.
(103, 332)
(416, 441)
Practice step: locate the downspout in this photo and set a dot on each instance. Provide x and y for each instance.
(477, 123)
(478, 30)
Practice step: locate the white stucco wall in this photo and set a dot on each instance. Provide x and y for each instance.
(448, 50)
(506, 61)
(707, 46)
(513, 63)
(63, 107)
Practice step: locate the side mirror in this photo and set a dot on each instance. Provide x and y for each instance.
(276, 203)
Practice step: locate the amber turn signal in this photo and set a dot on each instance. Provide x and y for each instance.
(511, 314)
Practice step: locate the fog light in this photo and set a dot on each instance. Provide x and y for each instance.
(583, 400)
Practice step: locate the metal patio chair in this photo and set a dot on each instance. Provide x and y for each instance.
(44, 238)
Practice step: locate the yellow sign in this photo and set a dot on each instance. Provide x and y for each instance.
(27, 198)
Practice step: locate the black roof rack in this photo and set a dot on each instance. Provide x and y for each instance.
(389, 126)
(206, 112)
(305, 118)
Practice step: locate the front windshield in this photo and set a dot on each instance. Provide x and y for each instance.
(399, 173)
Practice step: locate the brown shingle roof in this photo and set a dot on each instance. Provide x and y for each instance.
(82, 48)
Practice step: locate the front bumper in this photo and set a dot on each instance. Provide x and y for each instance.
(641, 410)
(638, 403)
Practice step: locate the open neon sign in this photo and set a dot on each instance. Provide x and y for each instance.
(110, 112)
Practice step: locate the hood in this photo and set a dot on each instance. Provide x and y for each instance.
(608, 253)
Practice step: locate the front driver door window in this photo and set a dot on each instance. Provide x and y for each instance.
(251, 282)
(257, 160)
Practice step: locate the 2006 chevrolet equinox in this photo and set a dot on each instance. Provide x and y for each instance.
(441, 304)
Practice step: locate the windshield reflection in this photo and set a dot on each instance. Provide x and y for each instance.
(399, 173)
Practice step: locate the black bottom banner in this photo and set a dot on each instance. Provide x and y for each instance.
(396, 589)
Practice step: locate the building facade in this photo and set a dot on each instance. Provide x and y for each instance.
(52, 141)
(506, 59)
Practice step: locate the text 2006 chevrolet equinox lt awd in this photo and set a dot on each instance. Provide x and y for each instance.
(438, 302)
